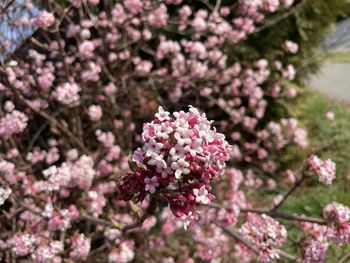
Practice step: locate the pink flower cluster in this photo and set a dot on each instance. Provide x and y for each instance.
(5, 193)
(338, 222)
(69, 175)
(315, 242)
(324, 169)
(49, 253)
(44, 19)
(80, 247)
(123, 253)
(212, 242)
(13, 122)
(317, 237)
(265, 234)
(291, 47)
(179, 159)
(67, 93)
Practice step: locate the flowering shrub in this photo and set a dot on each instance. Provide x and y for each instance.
(73, 106)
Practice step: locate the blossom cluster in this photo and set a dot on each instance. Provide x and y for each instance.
(317, 237)
(13, 122)
(324, 169)
(266, 234)
(179, 159)
(338, 221)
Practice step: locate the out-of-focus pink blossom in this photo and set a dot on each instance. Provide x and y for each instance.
(324, 169)
(44, 19)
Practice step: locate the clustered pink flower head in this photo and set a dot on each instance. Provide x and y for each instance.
(315, 242)
(80, 247)
(13, 122)
(5, 193)
(330, 115)
(123, 253)
(291, 46)
(44, 19)
(287, 3)
(95, 112)
(337, 217)
(265, 234)
(324, 169)
(179, 159)
(67, 93)
(317, 237)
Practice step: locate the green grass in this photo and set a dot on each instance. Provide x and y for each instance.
(329, 139)
(339, 56)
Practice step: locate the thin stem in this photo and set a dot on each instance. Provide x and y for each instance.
(277, 214)
(235, 235)
(292, 189)
(290, 217)
(345, 258)
(97, 221)
(288, 256)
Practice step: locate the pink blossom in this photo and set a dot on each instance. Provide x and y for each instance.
(291, 93)
(5, 193)
(95, 203)
(265, 234)
(201, 195)
(158, 17)
(67, 93)
(143, 67)
(9, 106)
(83, 172)
(133, 6)
(48, 253)
(86, 49)
(314, 251)
(287, 3)
(106, 138)
(330, 115)
(95, 112)
(94, 2)
(337, 217)
(151, 184)
(22, 244)
(13, 122)
(44, 19)
(123, 253)
(289, 72)
(80, 247)
(110, 89)
(291, 47)
(190, 129)
(211, 242)
(324, 169)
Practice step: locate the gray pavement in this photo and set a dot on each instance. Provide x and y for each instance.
(334, 77)
(333, 80)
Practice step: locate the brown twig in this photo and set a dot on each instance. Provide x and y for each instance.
(277, 214)
(97, 221)
(287, 216)
(236, 236)
(293, 188)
